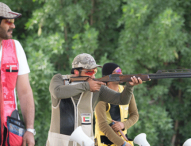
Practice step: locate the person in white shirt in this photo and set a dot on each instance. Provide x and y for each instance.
(23, 87)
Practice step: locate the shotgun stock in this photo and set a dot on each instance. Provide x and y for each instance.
(160, 74)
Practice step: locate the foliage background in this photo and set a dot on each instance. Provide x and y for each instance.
(142, 36)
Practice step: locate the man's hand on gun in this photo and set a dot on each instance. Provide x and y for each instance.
(95, 85)
(117, 127)
(135, 81)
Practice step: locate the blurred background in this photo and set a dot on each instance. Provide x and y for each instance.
(142, 36)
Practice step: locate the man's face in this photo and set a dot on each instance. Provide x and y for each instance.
(6, 28)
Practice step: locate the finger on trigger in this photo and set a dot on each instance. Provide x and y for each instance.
(102, 83)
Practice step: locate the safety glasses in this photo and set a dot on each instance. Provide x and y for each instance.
(118, 71)
(9, 21)
(90, 72)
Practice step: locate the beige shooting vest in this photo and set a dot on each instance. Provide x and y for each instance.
(83, 116)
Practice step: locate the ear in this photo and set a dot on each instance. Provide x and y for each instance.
(76, 72)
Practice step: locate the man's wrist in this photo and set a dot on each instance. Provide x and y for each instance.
(32, 131)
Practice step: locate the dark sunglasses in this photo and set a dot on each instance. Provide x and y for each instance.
(90, 72)
(9, 21)
(118, 71)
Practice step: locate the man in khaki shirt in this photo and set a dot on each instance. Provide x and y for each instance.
(73, 103)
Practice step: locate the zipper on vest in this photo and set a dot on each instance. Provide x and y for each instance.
(75, 118)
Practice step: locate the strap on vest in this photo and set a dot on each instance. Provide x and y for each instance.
(8, 78)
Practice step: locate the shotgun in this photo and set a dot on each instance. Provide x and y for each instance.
(160, 74)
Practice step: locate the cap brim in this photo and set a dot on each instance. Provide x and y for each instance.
(96, 65)
(12, 15)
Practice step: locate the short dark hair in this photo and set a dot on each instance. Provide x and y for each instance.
(1, 18)
(79, 68)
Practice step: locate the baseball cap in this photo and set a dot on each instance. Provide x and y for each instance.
(5, 12)
(85, 61)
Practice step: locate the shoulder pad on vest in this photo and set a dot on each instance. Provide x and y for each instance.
(66, 79)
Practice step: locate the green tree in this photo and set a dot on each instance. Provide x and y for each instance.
(155, 36)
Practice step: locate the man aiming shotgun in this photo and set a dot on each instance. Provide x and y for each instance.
(73, 103)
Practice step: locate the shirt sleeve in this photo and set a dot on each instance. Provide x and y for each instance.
(60, 91)
(113, 97)
(100, 110)
(23, 64)
(133, 114)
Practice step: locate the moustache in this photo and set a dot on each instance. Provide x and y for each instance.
(10, 30)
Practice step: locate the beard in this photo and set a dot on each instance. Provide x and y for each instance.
(4, 34)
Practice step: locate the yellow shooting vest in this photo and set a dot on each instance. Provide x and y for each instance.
(123, 114)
